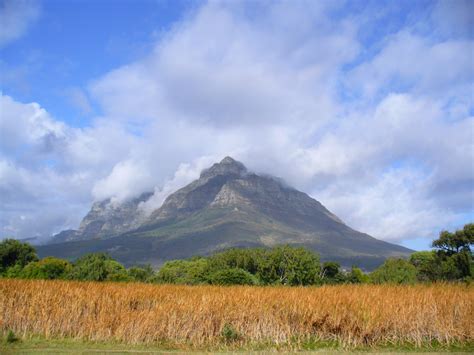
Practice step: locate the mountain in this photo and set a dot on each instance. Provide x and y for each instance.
(226, 207)
(107, 218)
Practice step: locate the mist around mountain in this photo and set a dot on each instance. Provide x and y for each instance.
(227, 207)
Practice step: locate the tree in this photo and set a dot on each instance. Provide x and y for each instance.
(454, 243)
(189, 272)
(232, 276)
(357, 276)
(397, 271)
(289, 266)
(47, 268)
(14, 252)
(115, 271)
(98, 267)
(246, 259)
(331, 273)
(141, 273)
(453, 253)
(426, 266)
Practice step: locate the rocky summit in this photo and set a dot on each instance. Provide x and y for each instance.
(227, 207)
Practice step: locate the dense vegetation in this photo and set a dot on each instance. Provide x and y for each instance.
(451, 260)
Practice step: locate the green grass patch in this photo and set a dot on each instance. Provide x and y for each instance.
(39, 345)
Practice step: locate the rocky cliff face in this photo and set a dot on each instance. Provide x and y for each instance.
(228, 184)
(226, 207)
(107, 218)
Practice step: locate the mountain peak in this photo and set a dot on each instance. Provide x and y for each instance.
(227, 166)
(229, 160)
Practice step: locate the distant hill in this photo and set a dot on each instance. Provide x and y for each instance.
(226, 207)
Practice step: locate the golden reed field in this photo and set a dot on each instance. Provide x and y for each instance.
(199, 316)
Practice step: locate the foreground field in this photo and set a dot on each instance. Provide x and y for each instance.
(203, 317)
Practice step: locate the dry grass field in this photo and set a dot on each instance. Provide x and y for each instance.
(207, 316)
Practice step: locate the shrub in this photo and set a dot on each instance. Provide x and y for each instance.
(189, 272)
(229, 333)
(287, 265)
(357, 276)
(232, 277)
(427, 269)
(11, 337)
(141, 274)
(47, 268)
(14, 252)
(397, 271)
(98, 267)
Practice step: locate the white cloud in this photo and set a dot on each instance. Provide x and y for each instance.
(27, 124)
(127, 179)
(273, 89)
(396, 203)
(217, 68)
(411, 61)
(183, 176)
(16, 16)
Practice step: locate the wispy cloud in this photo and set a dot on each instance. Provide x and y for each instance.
(16, 16)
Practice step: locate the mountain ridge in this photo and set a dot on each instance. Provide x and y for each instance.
(227, 206)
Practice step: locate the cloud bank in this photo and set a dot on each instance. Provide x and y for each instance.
(380, 131)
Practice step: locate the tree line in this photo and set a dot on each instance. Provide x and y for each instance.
(450, 260)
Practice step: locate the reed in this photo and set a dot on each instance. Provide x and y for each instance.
(199, 316)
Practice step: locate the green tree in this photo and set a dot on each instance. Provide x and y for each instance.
(232, 276)
(357, 276)
(47, 268)
(246, 259)
(426, 265)
(98, 267)
(397, 271)
(453, 253)
(141, 273)
(454, 243)
(14, 252)
(189, 272)
(287, 265)
(331, 273)
(115, 271)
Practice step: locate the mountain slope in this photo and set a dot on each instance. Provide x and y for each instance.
(226, 207)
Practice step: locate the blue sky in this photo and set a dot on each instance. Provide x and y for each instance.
(367, 106)
(71, 43)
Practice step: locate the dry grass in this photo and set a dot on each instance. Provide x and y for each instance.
(196, 316)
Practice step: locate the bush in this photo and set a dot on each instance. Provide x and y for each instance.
(11, 337)
(47, 268)
(427, 269)
(229, 333)
(14, 252)
(189, 272)
(98, 267)
(287, 265)
(331, 273)
(246, 259)
(115, 271)
(397, 271)
(141, 274)
(232, 277)
(13, 271)
(357, 276)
